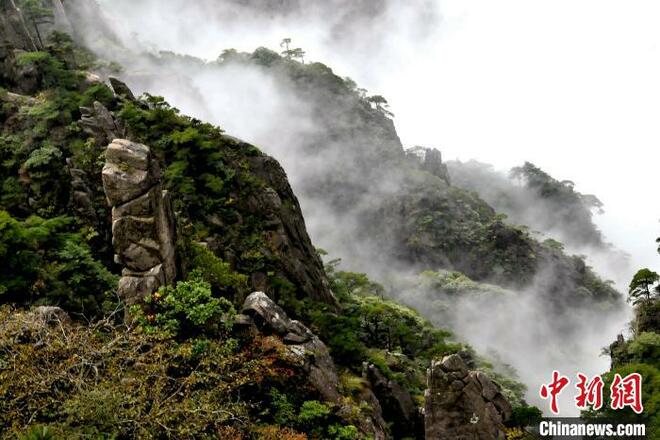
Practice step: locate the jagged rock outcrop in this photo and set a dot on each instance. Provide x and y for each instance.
(81, 193)
(14, 30)
(309, 352)
(121, 89)
(143, 228)
(287, 233)
(396, 402)
(430, 160)
(463, 404)
(98, 122)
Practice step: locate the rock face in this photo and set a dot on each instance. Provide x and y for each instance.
(143, 228)
(305, 346)
(397, 404)
(13, 27)
(463, 404)
(287, 233)
(429, 159)
(309, 352)
(98, 122)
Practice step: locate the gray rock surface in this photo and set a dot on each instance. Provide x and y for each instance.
(462, 404)
(50, 314)
(98, 122)
(121, 89)
(396, 402)
(287, 234)
(143, 227)
(304, 347)
(306, 350)
(429, 159)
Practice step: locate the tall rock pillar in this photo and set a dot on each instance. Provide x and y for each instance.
(143, 227)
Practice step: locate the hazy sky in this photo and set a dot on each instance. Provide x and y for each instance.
(573, 86)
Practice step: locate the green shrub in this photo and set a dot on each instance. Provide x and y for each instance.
(338, 432)
(524, 416)
(52, 72)
(39, 433)
(645, 347)
(184, 310)
(222, 279)
(43, 262)
(315, 418)
(313, 413)
(283, 411)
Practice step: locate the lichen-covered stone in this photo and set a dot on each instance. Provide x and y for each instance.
(129, 171)
(473, 408)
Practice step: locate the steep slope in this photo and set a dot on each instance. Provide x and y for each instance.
(382, 211)
(353, 166)
(530, 196)
(227, 194)
(365, 200)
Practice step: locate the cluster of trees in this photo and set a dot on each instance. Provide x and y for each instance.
(292, 53)
(644, 286)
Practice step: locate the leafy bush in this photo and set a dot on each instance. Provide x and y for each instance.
(524, 416)
(52, 71)
(645, 347)
(45, 263)
(222, 279)
(185, 310)
(312, 417)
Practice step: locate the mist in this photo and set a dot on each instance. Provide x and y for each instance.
(502, 83)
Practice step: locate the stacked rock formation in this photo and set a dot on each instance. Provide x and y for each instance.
(143, 228)
(463, 404)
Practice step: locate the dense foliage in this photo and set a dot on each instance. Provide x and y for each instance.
(372, 329)
(44, 262)
(73, 381)
(640, 354)
(530, 196)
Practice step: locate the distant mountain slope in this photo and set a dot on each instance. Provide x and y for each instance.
(530, 196)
